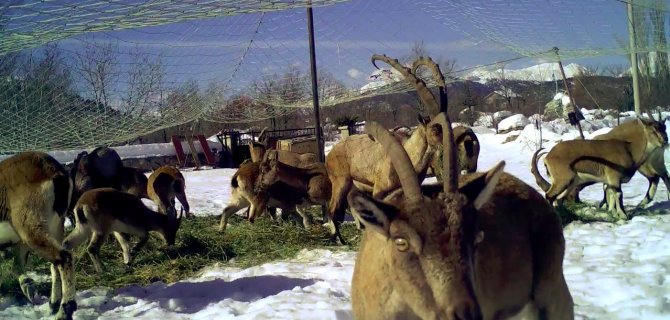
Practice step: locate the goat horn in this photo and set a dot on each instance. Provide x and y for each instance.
(449, 168)
(261, 136)
(438, 77)
(433, 66)
(399, 158)
(420, 86)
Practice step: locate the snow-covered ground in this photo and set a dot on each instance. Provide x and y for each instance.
(614, 271)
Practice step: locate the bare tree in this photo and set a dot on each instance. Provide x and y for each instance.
(98, 69)
(590, 71)
(145, 84)
(504, 88)
(329, 86)
(615, 70)
(419, 49)
(183, 98)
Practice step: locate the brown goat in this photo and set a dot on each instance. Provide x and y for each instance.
(35, 192)
(457, 251)
(278, 195)
(359, 161)
(653, 168)
(103, 168)
(467, 146)
(612, 162)
(311, 181)
(166, 183)
(468, 149)
(102, 211)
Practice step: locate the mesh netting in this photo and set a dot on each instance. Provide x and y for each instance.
(85, 73)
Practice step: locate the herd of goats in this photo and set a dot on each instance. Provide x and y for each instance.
(476, 245)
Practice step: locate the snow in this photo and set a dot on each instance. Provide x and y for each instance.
(513, 122)
(541, 72)
(613, 270)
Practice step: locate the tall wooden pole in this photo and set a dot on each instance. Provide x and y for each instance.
(315, 85)
(633, 59)
(567, 89)
(315, 95)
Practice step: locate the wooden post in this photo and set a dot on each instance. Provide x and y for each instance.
(315, 95)
(567, 89)
(633, 59)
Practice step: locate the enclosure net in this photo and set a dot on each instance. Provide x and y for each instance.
(97, 72)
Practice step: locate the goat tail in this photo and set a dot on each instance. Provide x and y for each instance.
(233, 181)
(81, 216)
(62, 188)
(544, 184)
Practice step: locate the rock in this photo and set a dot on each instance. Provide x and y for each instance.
(500, 115)
(515, 122)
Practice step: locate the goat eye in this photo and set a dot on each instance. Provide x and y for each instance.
(401, 244)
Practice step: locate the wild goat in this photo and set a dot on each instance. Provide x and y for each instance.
(166, 183)
(278, 195)
(311, 181)
(468, 149)
(612, 162)
(467, 155)
(480, 246)
(35, 192)
(359, 161)
(133, 181)
(102, 211)
(103, 168)
(653, 169)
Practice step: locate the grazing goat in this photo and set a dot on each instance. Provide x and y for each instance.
(278, 195)
(359, 161)
(612, 162)
(653, 168)
(467, 146)
(166, 183)
(103, 168)
(468, 149)
(311, 181)
(35, 191)
(102, 211)
(480, 246)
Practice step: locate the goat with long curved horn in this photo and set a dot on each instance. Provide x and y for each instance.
(438, 77)
(422, 90)
(417, 257)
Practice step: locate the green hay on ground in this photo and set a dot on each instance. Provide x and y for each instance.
(198, 244)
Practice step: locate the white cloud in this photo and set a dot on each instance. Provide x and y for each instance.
(354, 73)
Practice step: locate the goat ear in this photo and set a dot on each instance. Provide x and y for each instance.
(481, 188)
(373, 213)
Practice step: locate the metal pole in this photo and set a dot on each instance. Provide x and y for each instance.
(633, 58)
(315, 85)
(315, 97)
(567, 89)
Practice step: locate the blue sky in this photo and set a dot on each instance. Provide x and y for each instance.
(235, 50)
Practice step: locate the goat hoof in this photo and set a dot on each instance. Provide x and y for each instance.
(54, 306)
(66, 310)
(28, 288)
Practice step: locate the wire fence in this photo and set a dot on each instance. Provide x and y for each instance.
(98, 72)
